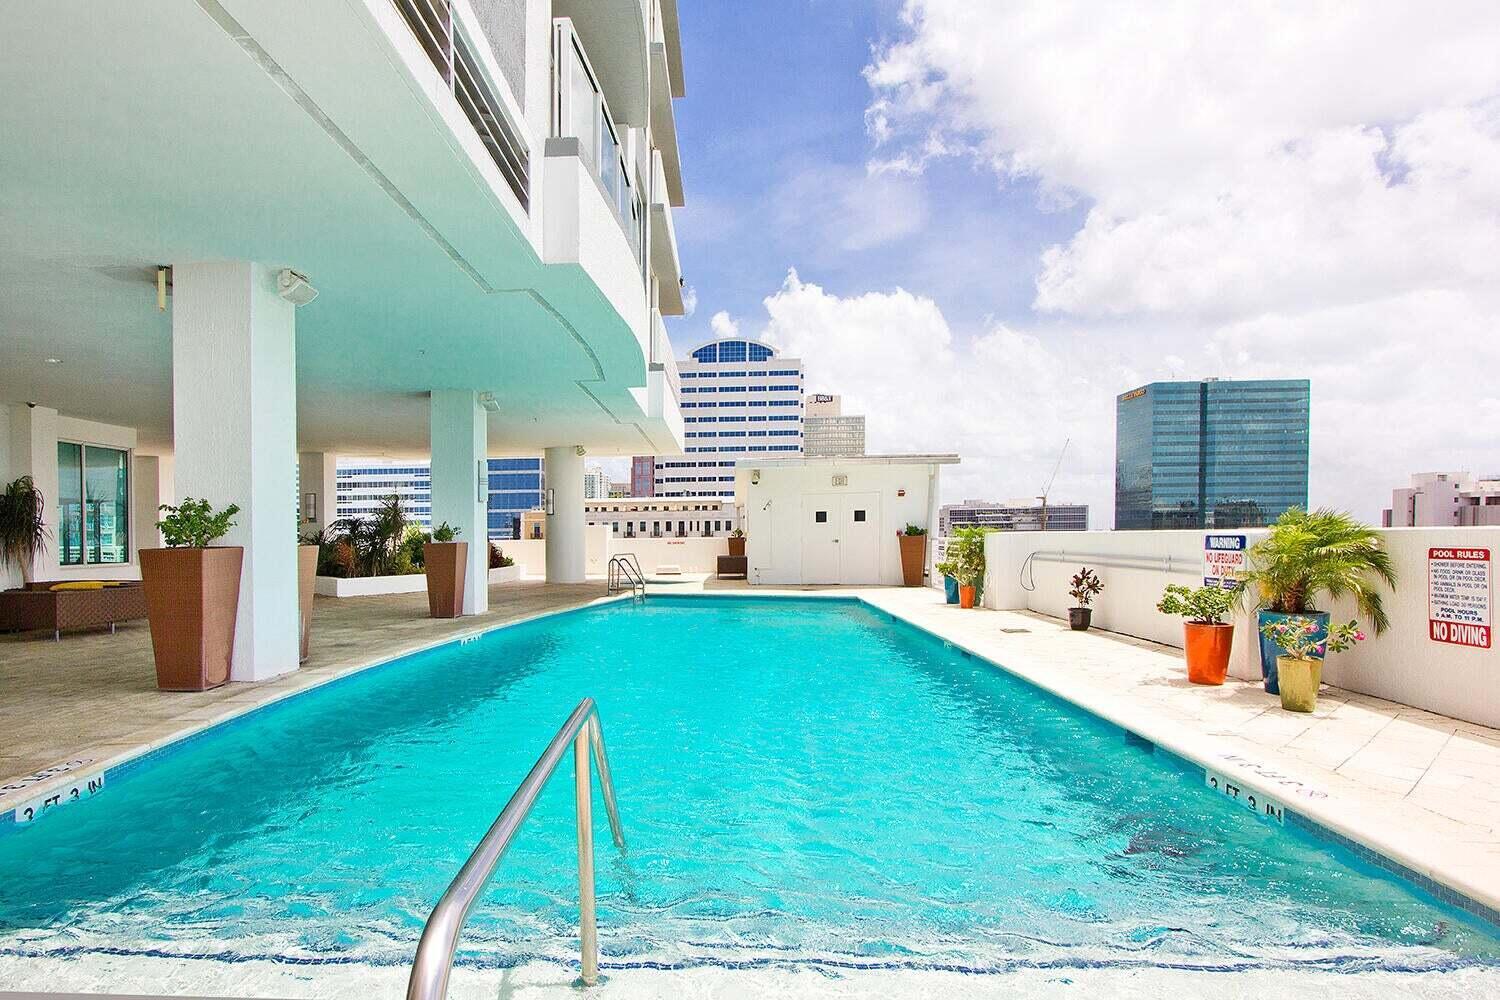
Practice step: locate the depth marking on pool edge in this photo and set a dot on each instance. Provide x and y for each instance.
(87, 785)
(1261, 805)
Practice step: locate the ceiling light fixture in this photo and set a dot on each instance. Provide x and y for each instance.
(295, 287)
(53, 361)
(489, 402)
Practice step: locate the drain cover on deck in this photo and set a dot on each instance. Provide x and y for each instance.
(1014, 631)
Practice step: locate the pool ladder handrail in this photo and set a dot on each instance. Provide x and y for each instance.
(439, 944)
(625, 568)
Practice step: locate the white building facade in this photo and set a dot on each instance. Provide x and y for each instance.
(435, 252)
(661, 517)
(739, 401)
(1445, 499)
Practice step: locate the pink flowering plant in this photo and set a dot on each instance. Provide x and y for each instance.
(1297, 637)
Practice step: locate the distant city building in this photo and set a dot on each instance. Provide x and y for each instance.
(515, 486)
(658, 517)
(1210, 454)
(642, 476)
(739, 401)
(827, 432)
(595, 484)
(621, 489)
(1443, 499)
(1012, 515)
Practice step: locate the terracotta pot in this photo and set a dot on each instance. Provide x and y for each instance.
(192, 602)
(737, 546)
(913, 559)
(307, 579)
(1079, 619)
(965, 596)
(447, 563)
(1208, 647)
(1299, 680)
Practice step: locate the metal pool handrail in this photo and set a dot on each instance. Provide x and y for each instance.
(627, 568)
(435, 952)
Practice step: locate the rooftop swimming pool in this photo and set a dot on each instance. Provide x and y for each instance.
(801, 782)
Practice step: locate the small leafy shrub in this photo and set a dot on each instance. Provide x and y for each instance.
(948, 568)
(1085, 586)
(914, 529)
(1297, 637)
(498, 559)
(1202, 606)
(195, 524)
(737, 533)
(445, 532)
(966, 554)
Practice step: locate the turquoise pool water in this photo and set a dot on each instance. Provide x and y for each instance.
(800, 782)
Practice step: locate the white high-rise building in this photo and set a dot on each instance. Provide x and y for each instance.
(595, 484)
(739, 401)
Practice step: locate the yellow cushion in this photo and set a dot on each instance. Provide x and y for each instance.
(78, 585)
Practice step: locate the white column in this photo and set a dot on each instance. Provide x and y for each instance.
(145, 501)
(315, 476)
(460, 484)
(566, 553)
(33, 452)
(234, 417)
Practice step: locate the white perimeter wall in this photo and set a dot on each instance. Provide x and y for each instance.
(773, 512)
(693, 555)
(1402, 665)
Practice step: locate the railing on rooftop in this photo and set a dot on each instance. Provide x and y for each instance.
(445, 40)
(579, 111)
(661, 355)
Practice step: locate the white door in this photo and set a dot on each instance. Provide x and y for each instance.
(821, 516)
(859, 539)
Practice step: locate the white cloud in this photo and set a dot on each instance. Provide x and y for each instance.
(1288, 189)
(689, 301)
(841, 209)
(723, 326)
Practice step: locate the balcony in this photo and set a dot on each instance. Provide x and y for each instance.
(449, 44)
(666, 266)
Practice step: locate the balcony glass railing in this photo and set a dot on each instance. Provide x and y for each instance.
(579, 111)
(445, 42)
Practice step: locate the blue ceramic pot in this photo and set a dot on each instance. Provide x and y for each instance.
(950, 588)
(1269, 651)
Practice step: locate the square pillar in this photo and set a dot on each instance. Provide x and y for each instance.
(317, 490)
(460, 483)
(33, 452)
(234, 417)
(567, 556)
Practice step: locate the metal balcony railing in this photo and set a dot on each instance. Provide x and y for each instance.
(444, 40)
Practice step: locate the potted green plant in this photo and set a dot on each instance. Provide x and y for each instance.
(1083, 588)
(1207, 638)
(23, 525)
(949, 570)
(913, 541)
(307, 581)
(737, 542)
(193, 596)
(446, 561)
(966, 551)
(1309, 556)
(1302, 643)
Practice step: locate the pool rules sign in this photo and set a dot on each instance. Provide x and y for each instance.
(1458, 597)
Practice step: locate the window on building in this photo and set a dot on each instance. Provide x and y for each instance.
(821, 517)
(859, 515)
(93, 494)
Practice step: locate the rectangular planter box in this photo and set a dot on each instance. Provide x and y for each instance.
(505, 574)
(371, 586)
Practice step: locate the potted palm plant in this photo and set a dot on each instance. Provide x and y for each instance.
(949, 569)
(1309, 556)
(1207, 638)
(1083, 588)
(913, 554)
(737, 542)
(1302, 643)
(23, 527)
(193, 596)
(446, 561)
(966, 552)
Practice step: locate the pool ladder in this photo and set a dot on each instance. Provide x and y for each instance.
(625, 571)
(439, 944)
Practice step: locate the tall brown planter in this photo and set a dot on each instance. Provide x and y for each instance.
(192, 602)
(445, 562)
(737, 546)
(307, 582)
(913, 558)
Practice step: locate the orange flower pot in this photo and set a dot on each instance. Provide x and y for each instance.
(965, 596)
(1208, 648)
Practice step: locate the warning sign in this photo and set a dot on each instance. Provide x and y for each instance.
(1223, 560)
(1458, 597)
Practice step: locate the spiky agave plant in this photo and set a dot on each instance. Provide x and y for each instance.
(1322, 552)
(23, 527)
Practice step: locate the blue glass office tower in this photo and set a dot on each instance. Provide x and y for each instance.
(1210, 454)
(515, 487)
